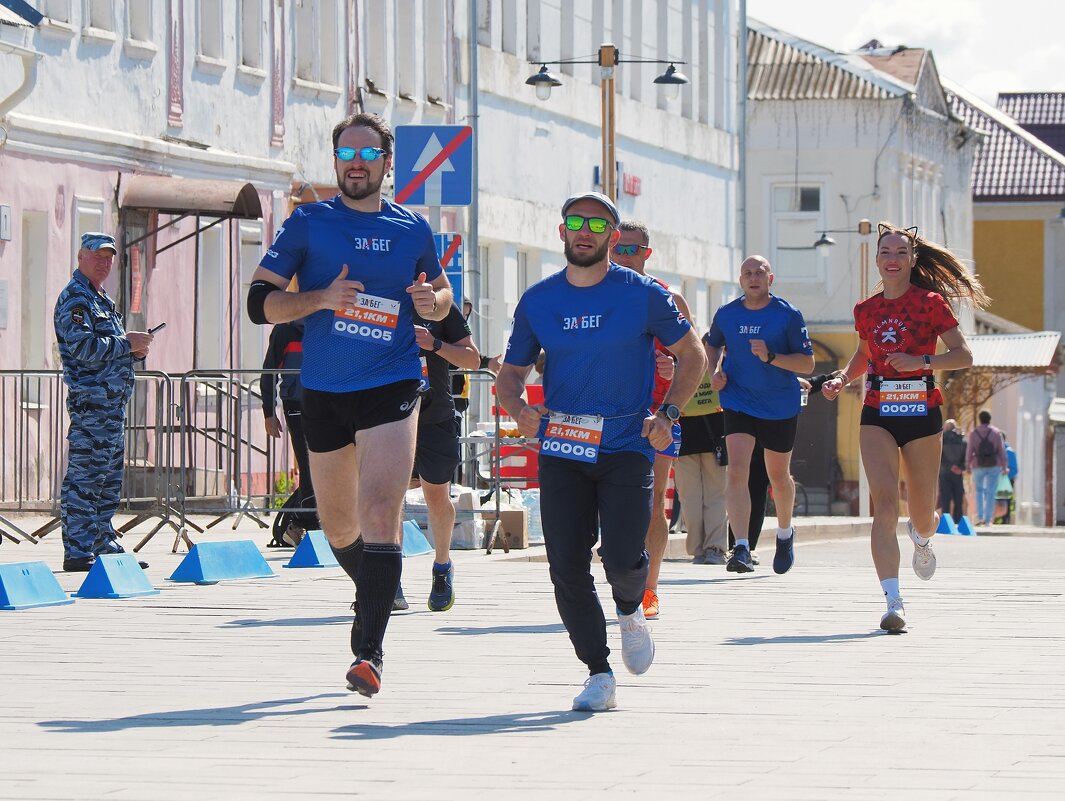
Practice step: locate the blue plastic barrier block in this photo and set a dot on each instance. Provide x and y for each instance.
(966, 527)
(414, 541)
(211, 562)
(116, 575)
(25, 585)
(946, 525)
(313, 551)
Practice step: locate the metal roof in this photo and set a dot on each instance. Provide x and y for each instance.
(1012, 164)
(1056, 412)
(193, 196)
(1034, 108)
(781, 66)
(1037, 349)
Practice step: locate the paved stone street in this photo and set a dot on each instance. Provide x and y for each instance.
(764, 687)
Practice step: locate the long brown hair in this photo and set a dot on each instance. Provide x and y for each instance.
(937, 269)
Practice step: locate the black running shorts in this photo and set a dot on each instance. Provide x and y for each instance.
(905, 429)
(330, 419)
(437, 456)
(773, 435)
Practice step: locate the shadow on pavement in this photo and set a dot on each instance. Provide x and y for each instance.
(799, 639)
(725, 580)
(524, 722)
(285, 621)
(208, 716)
(543, 628)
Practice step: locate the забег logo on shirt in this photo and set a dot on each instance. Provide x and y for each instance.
(585, 321)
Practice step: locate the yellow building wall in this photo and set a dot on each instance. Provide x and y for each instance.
(1009, 262)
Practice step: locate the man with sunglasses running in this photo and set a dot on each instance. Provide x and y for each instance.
(365, 267)
(597, 323)
(632, 251)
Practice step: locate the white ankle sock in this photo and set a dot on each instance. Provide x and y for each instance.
(746, 543)
(922, 541)
(784, 533)
(891, 588)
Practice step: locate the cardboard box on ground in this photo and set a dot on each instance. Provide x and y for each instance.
(471, 518)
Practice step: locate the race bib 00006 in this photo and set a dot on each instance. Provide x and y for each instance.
(573, 436)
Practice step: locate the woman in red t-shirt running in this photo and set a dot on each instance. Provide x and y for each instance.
(898, 330)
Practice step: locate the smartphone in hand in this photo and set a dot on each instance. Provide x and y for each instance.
(159, 327)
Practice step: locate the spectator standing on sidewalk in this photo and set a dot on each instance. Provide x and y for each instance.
(952, 472)
(986, 458)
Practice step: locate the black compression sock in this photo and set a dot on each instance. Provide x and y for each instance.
(350, 557)
(376, 585)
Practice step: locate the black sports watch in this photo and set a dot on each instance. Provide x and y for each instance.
(769, 357)
(670, 411)
(438, 343)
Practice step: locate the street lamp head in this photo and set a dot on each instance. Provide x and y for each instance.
(823, 244)
(671, 81)
(544, 82)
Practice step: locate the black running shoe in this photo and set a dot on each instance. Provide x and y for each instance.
(784, 558)
(740, 561)
(442, 595)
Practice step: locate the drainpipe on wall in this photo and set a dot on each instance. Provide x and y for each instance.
(741, 190)
(29, 75)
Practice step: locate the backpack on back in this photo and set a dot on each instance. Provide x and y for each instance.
(986, 452)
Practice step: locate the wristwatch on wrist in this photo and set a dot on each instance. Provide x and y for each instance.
(769, 357)
(437, 344)
(670, 411)
(927, 362)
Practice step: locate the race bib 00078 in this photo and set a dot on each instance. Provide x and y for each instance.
(903, 398)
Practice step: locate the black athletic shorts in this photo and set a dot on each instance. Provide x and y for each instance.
(437, 456)
(330, 419)
(905, 429)
(773, 435)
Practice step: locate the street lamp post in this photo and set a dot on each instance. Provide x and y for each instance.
(824, 244)
(608, 57)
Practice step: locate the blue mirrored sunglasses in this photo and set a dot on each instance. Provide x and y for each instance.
(364, 153)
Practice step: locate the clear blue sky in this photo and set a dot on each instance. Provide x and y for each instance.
(986, 46)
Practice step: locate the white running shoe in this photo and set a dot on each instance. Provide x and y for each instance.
(924, 558)
(637, 647)
(894, 618)
(597, 695)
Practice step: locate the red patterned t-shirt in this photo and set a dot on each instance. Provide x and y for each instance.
(910, 324)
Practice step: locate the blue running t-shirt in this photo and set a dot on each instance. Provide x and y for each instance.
(754, 387)
(386, 251)
(599, 342)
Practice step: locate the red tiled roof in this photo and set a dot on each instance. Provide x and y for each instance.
(903, 63)
(1012, 164)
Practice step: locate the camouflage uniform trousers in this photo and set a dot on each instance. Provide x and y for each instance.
(92, 487)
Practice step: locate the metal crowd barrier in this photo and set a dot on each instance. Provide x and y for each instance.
(201, 450)
(227, 464)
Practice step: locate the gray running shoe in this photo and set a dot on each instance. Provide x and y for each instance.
(924, 558)
(637, 645)
(894, 619)
(598, 694)
(714, 557)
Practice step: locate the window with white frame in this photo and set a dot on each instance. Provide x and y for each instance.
(55, 10)
(88, 216)
(210, 29)
(435, 64)
(405, 49)
(100, 15)
(252, 28)
(796, 223)
(251, 335)
(318, 28)
(139, 20)
(210, 332)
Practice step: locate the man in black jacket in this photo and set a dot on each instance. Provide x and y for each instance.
(952, 472)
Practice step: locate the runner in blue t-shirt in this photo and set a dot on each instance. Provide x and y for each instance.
(597, 323)
(765, 344)
(365, 266)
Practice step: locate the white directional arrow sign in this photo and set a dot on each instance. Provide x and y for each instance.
(435, 182)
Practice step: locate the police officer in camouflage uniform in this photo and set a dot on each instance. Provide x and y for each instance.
(97, 357)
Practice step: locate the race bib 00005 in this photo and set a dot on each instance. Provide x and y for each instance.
(373, 319)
